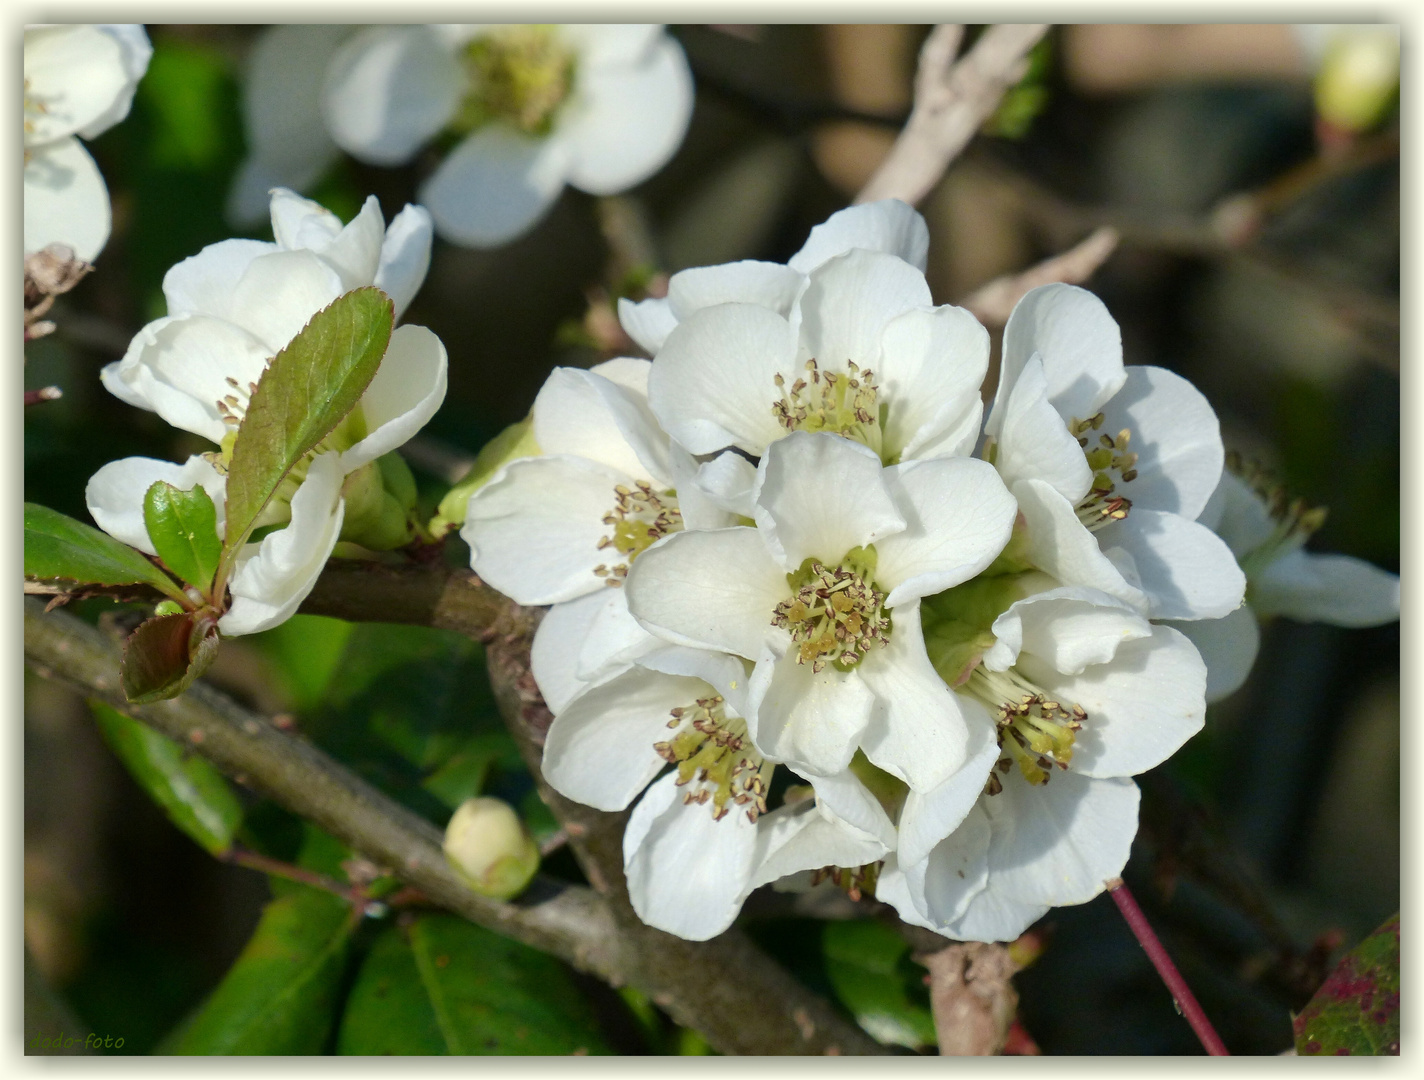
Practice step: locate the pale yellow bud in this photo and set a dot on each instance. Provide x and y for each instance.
(490, 848)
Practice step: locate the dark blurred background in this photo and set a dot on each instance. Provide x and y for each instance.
(1260, 259)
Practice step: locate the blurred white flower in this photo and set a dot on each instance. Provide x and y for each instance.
(79, 81)
(1077, 693)
(1110, 464)
(701, 839)
(1267, 532)
(601, 107)
(823, 597)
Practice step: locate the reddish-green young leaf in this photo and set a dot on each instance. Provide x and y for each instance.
(58, 547)
(191, 791)
(183, 526)
(307, 389)
(166, 653)
(1356, 1011)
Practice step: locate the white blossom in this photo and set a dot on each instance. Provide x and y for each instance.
(79, 81)
(823, 597)
(1110, 464)
(600, 107)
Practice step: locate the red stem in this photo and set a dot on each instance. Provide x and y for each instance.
(1181, 993)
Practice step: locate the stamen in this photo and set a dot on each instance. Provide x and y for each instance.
(1112, 464)
(1035, 731)
(1295, 520)
(857, 881)
(714, 754)
(824, 401)
(640, 517)
(518, 74)
(835, 618)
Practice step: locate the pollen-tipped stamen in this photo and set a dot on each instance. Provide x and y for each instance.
(714, 754)
(1035, 730)
(834, 618)
(842, 404)
(1112, 465)
(639, 518)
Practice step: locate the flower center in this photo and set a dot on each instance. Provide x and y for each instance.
(640, 517)
(1294, 519)
(1112, 465)
(1035, 731)
(825, 401)
(518, 74)
(34, 108)
(835, 615)
(714, 754)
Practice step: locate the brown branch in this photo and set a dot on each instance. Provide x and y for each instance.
(952, 100)
(992, 303)
(737, 997)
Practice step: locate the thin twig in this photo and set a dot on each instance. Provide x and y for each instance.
(265, 864)
(1181, 993)
(952, 100)
(992, 303)
(44, 393)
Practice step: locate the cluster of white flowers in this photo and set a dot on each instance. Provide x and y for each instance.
(233, 307)
(876, 638)
(523, 109)
(79, 81)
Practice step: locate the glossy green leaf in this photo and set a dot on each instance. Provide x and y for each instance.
(307, 389)
(306, 650)
(165, 654)
(1356, 1011)
(183, 526)
(280, 995)
(195, 796)
(57, 546)
(870, 967)
(464, 773)
(446, 986)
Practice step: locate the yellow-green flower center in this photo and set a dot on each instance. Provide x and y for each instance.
(714, 754)
(844, 404)
(1112, 466)
(517, 74)
(1036, 731)
(640, 517)
(835, 614)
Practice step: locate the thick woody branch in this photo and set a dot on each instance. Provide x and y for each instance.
(742, 1001)
(952, 100)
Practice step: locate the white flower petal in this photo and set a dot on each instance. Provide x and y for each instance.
(135, 51)
(1033, 441)
(406, 392)
(579, 412)
(893, 886)
(205, 283)
(930, 367)
(270, 585)
(353, 251)
(388, 91)
(991, 916)
(599, 749)
(534, 530)
(1059, 545)
(956, 871)
(846, 799)
(917, 730)
(1186, 570)
(819, 496)
(1142, 706)
(1333, 589)
(495, 186)
(889, 225)
(723, 673)
(75, 73)
(959, 516)
(554, 656)
(629, 372)
(648, 322)
(713, 590)
(811, 721)
(1176, 437)
(728, 481)
(930, 816)
(66, 201)
(1238, 515)
(405, 256)
(280, 292)
(626, 122)
(1068, 628)
(1059, 842)
(1228, 646)
(849, 301)
(793, 839)
(687, 874)
(713, 384)
(114, 494)
(612, 44)
(1080, 345)
(769, 285)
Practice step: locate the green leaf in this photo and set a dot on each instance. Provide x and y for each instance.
(280, 995)
(166, 653)
(1356, 1011)
(192, 792)
(515, 441)
(183, 526)
(870, 968)
(446, 986)
(306, 650)
(464, 773)
(57, 546)
(307, 389)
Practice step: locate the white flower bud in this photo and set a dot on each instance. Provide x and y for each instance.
(490, 848)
